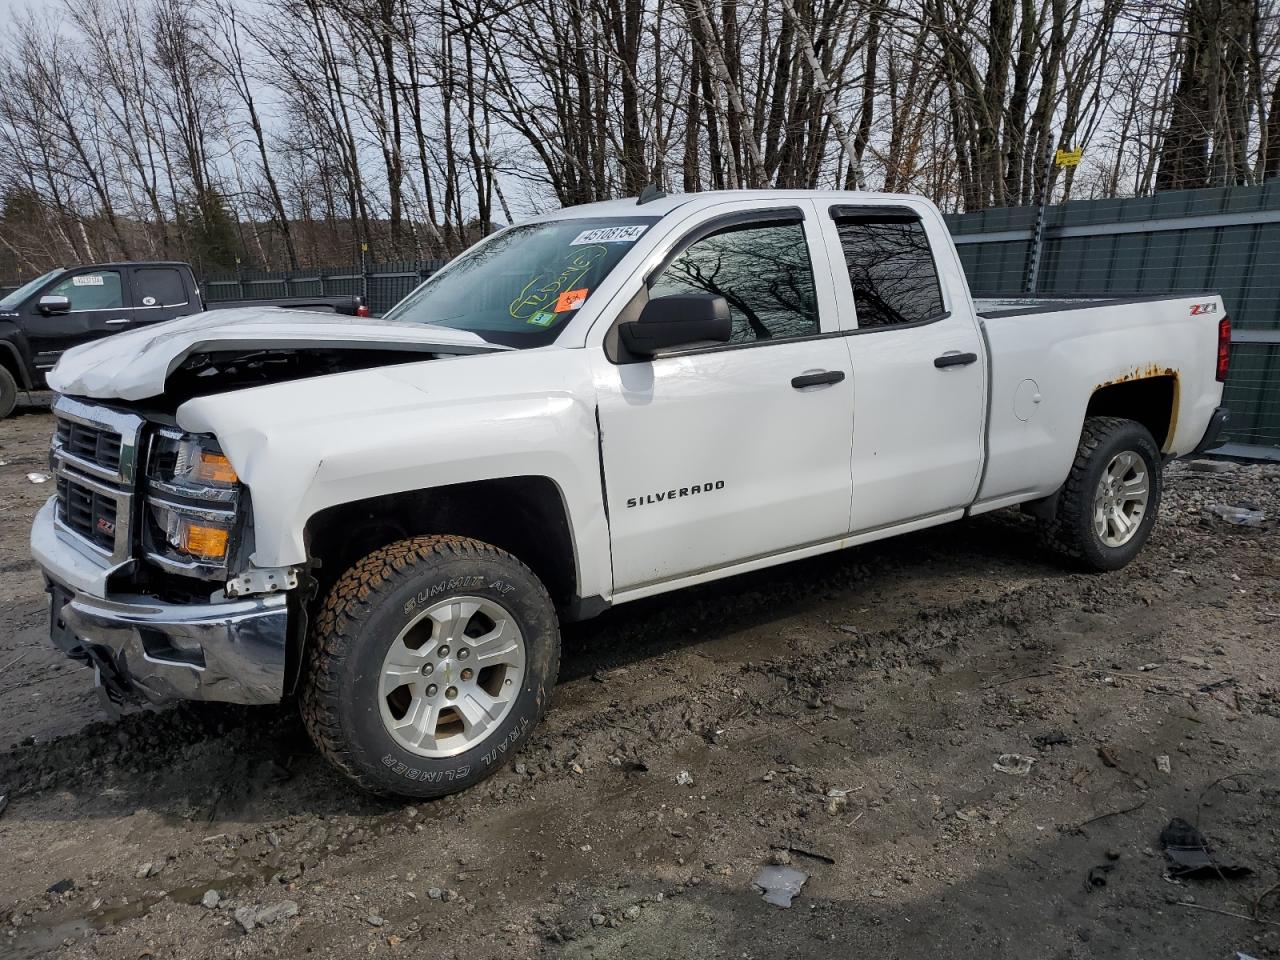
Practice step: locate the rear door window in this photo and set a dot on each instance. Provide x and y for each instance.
(891, 268)
(159, 287)
(97, 290)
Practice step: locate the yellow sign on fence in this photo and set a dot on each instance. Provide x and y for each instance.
(1068, 158)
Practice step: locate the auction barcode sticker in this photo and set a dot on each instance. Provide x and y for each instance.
(610, 235)
(88, 280)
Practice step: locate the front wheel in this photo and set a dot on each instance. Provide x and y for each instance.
(431, 661)
(1109, 503)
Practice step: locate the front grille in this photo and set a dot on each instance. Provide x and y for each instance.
(98, 445)
(87, 513)
(94, 459)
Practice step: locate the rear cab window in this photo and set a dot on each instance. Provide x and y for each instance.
(159, 287)
(890, 265)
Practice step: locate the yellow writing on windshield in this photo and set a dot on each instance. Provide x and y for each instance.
(544, 289)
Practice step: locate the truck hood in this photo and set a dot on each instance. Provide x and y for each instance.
(136, 365)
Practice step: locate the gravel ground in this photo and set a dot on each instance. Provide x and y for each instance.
(840, 716)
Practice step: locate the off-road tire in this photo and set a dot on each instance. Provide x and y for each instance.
(1071, 532)
(8, 393)
(361, 617)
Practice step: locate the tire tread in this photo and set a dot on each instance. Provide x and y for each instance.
(1063, 533)
(348, 605)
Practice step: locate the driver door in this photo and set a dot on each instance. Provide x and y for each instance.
(100, 306)
(722, 454)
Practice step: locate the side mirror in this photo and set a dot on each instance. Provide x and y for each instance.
(679, 320)
(52, 305)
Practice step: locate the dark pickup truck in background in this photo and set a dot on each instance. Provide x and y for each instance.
(73, 305)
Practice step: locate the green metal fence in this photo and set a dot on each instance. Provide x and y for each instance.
(1223, 241)
(382, 285)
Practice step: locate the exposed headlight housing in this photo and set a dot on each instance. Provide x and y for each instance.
(192, 505)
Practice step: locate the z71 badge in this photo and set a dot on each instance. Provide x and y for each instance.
(1200, 308)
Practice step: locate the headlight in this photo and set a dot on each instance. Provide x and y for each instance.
(192, 498)
(199, 464)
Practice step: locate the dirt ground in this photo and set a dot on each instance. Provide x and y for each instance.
(843, 714)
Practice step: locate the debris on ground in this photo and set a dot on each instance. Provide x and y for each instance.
(1014, 764)
(211, 899)
(1189, 851)
(4, 801)
(38, 477)
(812, 855)
(1211, 466)
(62, 886)
(1240, 514)
(1217, 685)
(1098, 876)
(780, 884)
(1055, 738)
(250, 917)
(1164, 764)
(684, 778)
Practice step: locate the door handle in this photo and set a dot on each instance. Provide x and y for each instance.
(116, 322)
(817, 379)
(954, 360)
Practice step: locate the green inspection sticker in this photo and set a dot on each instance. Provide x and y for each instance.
(542, 319)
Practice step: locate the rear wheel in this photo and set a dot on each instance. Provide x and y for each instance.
(1109, 503)
(432, 660)
(8, 393)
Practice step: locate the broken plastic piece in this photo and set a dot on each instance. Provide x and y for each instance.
(1014, 764)
(780, 885)
(1187, 848)
(38, 477)
(1239, 514)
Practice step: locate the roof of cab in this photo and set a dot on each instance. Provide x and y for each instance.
(659, 207)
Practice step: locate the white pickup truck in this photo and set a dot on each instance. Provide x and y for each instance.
(388, 519)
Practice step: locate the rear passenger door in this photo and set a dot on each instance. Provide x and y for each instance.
(161, 293)
(919, 367)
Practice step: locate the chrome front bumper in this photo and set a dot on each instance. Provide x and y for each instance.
(231, 650)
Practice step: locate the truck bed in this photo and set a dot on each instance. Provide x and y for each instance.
(1050, 356)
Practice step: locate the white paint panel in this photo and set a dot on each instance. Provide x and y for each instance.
(731, 416)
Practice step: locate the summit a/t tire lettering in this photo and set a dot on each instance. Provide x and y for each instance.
(431, 661)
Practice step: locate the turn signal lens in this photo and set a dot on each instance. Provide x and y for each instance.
(214, 468)
(203, 541)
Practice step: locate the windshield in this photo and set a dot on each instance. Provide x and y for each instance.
(14, 300)
(525, 284)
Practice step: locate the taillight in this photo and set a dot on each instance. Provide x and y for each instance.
(363, 311)
(1224, 348)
